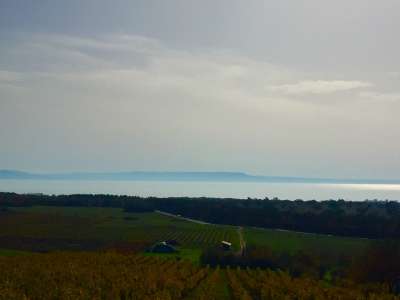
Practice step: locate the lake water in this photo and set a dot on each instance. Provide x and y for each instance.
(290, 191)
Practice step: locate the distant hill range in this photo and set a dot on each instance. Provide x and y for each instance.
(181, 176)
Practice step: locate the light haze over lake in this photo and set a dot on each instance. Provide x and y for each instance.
(292, 191)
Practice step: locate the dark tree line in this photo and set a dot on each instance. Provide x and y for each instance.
(370, 219)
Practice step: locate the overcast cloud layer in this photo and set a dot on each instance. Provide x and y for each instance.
(299, 88)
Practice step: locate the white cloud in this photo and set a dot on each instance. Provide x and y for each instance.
(319, 86)
(136, 68)
(132, 65)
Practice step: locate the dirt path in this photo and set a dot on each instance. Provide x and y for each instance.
(182, 218)
(242, 242)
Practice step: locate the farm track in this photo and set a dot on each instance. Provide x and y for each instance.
(182, 218)
(242, 241)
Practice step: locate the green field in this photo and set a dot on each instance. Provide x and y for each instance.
(291, 242)
(8, 252)
(44, 228)
(98, 225)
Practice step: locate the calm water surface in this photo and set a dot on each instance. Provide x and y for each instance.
(291, 191)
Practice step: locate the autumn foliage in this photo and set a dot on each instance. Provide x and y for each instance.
(109, 275)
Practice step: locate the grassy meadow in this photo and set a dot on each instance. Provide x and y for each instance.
(291, 242)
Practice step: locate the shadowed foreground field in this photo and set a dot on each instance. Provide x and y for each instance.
(115, 276)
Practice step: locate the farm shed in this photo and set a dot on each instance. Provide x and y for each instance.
(226, 245)
(163, 247)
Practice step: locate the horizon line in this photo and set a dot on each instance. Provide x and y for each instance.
(244, 175)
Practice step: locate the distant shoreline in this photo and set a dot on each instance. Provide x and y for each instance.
(183, 176)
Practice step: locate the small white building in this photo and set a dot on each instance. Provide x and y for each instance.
(226, 245)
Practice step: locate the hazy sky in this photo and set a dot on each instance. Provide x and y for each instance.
(300, 88)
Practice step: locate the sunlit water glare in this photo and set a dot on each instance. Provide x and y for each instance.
(290, 191)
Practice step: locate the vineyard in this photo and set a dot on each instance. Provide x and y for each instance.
(108, 275)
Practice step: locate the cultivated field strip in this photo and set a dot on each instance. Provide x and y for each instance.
(204, 237)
